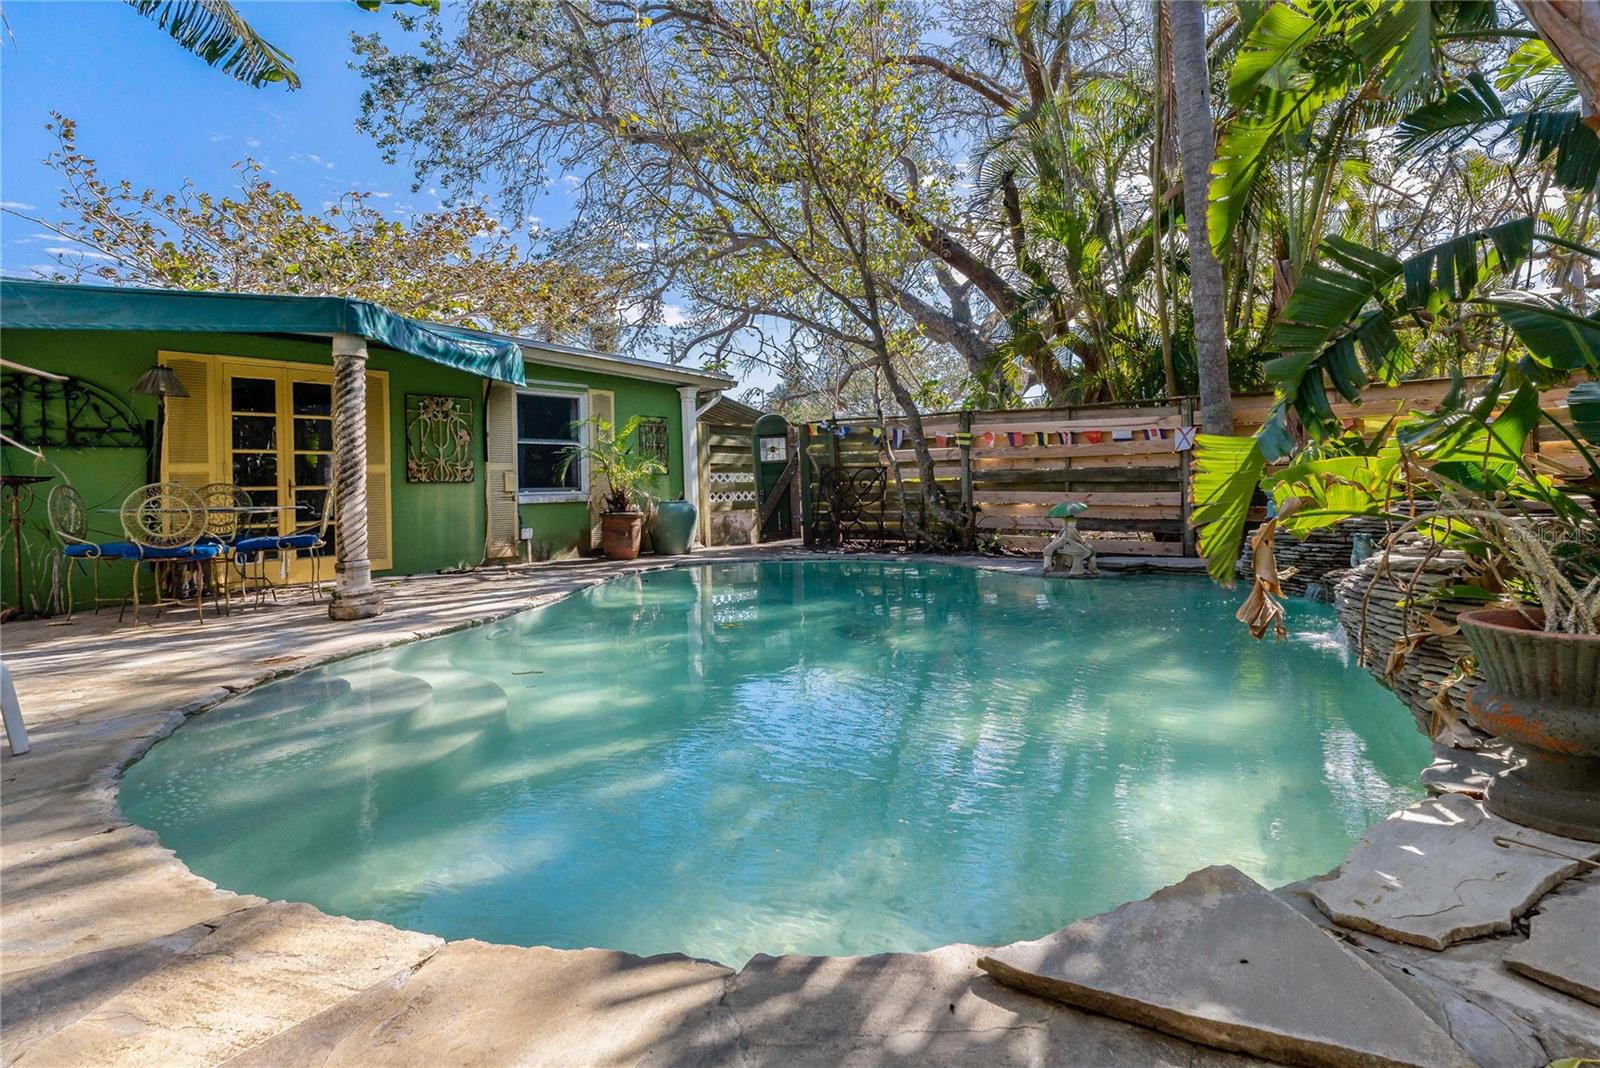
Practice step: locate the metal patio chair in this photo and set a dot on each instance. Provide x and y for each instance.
(225, 526)
(312, 538)
(165, 523)
(69, 522)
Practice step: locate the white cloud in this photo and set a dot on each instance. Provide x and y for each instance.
(252, 142)
(672, 315)
(15, 205)
(381, 196)
(64, 250)
(572, 180)
(214, 138)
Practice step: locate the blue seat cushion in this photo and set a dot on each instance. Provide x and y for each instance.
(269, 542)
(203, 551)
(116, 550)
(126, 550)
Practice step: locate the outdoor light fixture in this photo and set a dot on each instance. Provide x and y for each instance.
(159, 382)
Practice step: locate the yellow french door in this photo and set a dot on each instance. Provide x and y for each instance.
(267, 427)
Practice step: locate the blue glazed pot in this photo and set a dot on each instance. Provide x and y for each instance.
(674, 527)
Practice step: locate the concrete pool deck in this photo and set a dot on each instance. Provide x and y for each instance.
(112, 952)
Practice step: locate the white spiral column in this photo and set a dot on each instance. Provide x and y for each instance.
(354, 596)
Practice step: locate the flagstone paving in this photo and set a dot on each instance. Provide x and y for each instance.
(1563, 946)
(1242, 980)
(112, 952)
(1433, 875)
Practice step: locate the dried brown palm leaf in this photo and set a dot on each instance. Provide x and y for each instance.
(1263, 609)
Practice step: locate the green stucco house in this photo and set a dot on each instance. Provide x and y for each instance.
(465, 431)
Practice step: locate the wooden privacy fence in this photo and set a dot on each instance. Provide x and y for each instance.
(1127, 462)
(1550, 452)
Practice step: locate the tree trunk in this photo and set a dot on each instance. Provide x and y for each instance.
(1572, 30)
(932, 496)
(1158, 205)
(1196, 141)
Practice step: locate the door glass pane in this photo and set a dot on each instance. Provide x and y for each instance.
(541, 416)
(313, 435)
(252, 469)
(313, 398)
(315, 469)
(255, 395)
(538, 467)
(255, 432)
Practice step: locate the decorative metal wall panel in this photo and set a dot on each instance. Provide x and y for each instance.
(439, 439)
(653, 440)
(855, 498)
(66, 413)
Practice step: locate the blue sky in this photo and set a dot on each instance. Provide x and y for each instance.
(155, 115)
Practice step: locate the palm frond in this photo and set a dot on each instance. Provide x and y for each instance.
(1226, 472)
(1475, 110)
(216, 32)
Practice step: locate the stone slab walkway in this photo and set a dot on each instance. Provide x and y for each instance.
(1563, 946)
(1219, 959)
(1433, 875)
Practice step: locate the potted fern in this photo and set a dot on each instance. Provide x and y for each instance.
(621, 481)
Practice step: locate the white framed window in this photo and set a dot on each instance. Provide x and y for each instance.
(549, 424)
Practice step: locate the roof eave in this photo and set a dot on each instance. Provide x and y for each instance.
(622, 366)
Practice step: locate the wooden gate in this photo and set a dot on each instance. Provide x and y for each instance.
(1129, 463)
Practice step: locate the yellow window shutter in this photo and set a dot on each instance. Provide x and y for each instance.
(380, 519)
(500, 473)
(188, 453)
(602, 409)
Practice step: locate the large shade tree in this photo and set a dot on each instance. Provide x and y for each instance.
(456, 265)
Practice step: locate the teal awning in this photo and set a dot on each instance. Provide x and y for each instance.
(26, 304)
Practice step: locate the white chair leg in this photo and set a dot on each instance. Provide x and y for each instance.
(11, 712)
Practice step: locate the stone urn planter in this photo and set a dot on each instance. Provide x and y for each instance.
(674, 527)
(1542, 694)
(619, 534)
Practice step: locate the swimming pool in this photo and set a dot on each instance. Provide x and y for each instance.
(842, 756)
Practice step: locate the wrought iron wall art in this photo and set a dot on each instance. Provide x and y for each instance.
(855, 498)
(67, 413)
(653, 440)
(439, 439)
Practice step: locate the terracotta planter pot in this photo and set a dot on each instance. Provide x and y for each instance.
(619, 534)
(1542, 694)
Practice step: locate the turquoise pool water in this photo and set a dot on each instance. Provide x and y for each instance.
(824, 757)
